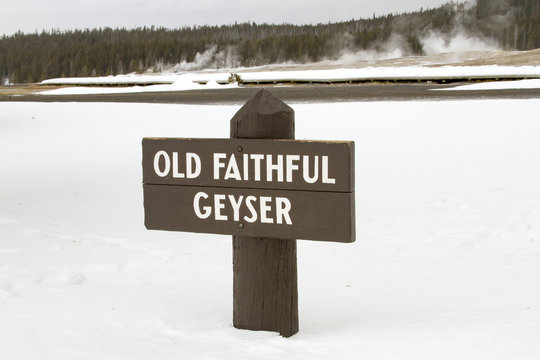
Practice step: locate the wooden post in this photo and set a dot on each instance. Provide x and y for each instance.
(265, 275)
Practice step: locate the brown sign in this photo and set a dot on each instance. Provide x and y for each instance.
(249, 163)
(259, 188)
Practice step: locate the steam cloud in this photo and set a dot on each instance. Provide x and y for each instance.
(436, 43)
(211, 59)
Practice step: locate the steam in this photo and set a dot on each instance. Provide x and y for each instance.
(432, 42)
(436, 43)
(210, 59)
(391, 49)
(470, 4)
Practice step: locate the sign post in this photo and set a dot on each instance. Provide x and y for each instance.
(266, 190)
(265, 286)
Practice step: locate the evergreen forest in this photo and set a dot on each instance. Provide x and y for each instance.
(32, 57)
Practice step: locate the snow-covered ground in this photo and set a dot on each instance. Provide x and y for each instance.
(446, 263)
(195, 80)
(393, 73)
(181, 84)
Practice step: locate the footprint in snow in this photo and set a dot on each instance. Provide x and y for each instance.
(6, 287)
(76, 278)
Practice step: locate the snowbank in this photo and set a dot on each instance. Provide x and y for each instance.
(179, 84)
(393, 73)
(413, 73)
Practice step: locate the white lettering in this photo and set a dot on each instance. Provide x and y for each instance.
(291, 166)
(232, 170)
(257, 165)
(218, 206)
(217, 164)
(325, 178)
(249, 200)
(269, 210)
(176, 174)
(283, 206)
(196, 207)
(246, 167)
(307, 178)
(157, 170)
(265, 208)
(278, 167)
(236, 206)
(193, 165)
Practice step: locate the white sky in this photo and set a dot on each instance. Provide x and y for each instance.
(31, 15)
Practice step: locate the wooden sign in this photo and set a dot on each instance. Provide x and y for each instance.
(265, 189)
(283, 189)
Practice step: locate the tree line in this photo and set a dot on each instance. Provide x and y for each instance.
(32, 57)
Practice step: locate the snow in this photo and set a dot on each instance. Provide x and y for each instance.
(446, 264)
(142, 79)
(179, 84)
(397, 73)
(188, 81)
(499, 85)
(118, 79)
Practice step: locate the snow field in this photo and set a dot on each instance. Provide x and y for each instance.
(445, 266)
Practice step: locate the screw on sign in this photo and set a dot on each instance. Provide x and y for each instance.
(265, 189)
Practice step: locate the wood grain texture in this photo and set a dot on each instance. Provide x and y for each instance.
(265, 285)
(265, 270)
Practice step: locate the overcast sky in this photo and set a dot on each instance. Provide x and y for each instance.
(31, 15)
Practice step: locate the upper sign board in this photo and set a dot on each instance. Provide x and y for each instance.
(249, 163)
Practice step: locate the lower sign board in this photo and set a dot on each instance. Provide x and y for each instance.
(251, 212)
(280, 189)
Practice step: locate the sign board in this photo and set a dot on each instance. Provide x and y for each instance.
(284, 189)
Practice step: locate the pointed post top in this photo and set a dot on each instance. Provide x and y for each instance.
(264, 102)
(263, 116)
